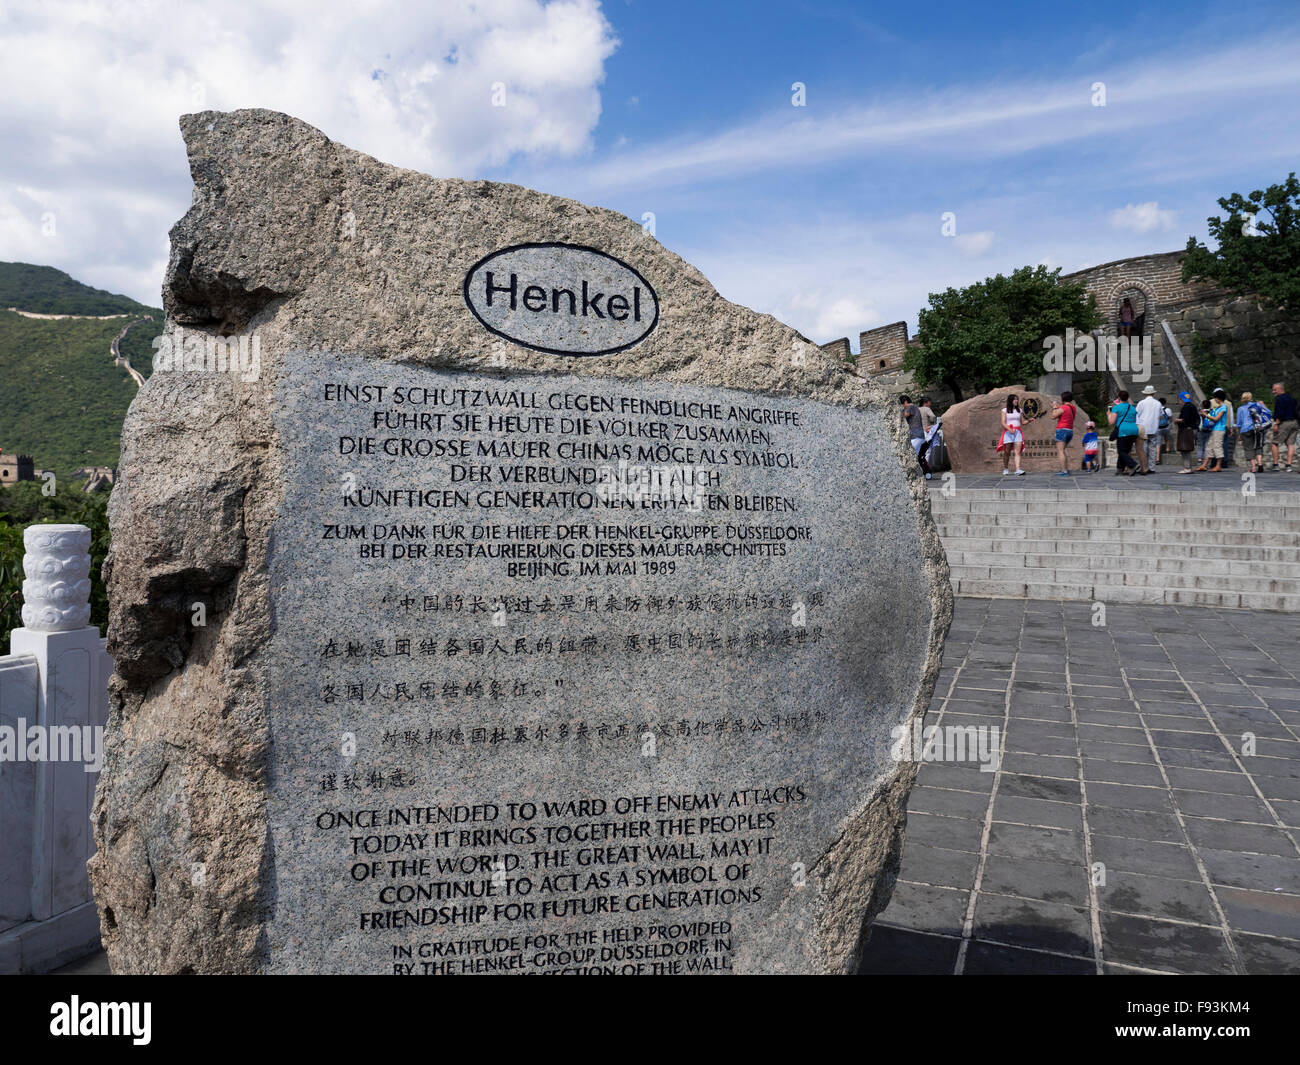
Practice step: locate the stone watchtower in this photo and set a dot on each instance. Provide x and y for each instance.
(881, 356)
(14, 468)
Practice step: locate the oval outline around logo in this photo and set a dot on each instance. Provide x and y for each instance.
(465, 293)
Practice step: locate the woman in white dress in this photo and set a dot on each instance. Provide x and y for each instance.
(1012, 441)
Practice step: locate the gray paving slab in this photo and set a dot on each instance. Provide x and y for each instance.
(1145, 813)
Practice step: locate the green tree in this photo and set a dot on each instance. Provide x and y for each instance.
(990, 334)
(1258, 250)
(11, 582)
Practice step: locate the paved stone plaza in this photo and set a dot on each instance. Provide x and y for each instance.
(1123, 747)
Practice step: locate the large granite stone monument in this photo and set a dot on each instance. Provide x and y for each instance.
(490, 595)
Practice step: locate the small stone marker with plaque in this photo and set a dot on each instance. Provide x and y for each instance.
(489, 595)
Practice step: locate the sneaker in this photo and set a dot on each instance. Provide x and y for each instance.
(1063, 473)
(1005, 473)
(1021, 473)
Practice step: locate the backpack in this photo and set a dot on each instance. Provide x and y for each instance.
(1164, 417)
(1260, 415)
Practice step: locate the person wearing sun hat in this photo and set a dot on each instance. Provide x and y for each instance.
(1148, 419)
(1187, 421)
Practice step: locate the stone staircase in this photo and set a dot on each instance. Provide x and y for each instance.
(1168, 368)
(1189, 548)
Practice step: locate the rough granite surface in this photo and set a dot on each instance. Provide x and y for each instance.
(316, 247)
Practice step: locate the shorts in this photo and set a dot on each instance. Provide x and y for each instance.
(1284, 433)
(1254, 442)
(1065, 435)
(1214, 446)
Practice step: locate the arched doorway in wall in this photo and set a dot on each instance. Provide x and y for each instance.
(1143, 300)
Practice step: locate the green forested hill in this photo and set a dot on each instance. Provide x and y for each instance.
(62, 400)
(49, 291)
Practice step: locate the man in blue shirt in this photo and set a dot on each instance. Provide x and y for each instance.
(1285, 426)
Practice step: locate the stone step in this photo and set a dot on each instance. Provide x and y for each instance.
(1170, 537)
(1182, 517)
(1290, 497)
(1130, 594)
(1082, 577)
(1137, 546)
(1260, 507)
(1126, 548)
(1289, 570)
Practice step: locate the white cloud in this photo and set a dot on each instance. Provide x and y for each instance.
(93, 92)
(846, 271)
(1143, 217)
(829, 318)
(835, 278)
(975, 122)
(973, 245)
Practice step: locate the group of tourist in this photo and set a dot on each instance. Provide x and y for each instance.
(922, 424)
(1011, 442)
(1210, 432)
(1141, 432)
(1141, 427)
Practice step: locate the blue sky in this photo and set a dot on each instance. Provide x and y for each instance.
(1042, 187)
(827, 215)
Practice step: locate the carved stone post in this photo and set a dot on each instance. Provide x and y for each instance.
(61, 737)
(56, 593)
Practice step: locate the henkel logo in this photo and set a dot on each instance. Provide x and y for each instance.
(563, 299)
